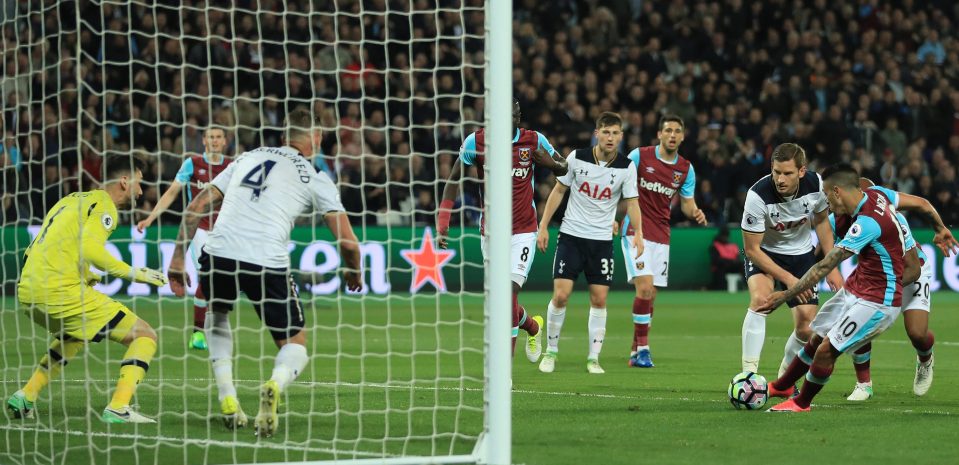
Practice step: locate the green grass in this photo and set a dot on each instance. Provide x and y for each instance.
(379, 366)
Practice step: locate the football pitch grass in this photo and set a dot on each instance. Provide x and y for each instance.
(675, 413)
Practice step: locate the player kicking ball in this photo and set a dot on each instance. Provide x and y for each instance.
(916, 298)
(56, 288)
(871, 299)
(599, 177)
(530, 149)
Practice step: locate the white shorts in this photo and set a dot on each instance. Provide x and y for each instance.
(522, 251)
(196, 246)
(850, 322)
(916, 296)
(653, 262)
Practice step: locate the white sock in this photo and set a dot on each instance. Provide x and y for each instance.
(754, 334)
(554, 325)
(793, 346)
(597, 331)
(290, 361)
(219, 338)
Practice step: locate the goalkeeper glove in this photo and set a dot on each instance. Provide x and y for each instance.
(91, 278)
(148, 276)
(443, 220)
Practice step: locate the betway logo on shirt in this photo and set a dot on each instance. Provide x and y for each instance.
(520, 172)
(657, 187)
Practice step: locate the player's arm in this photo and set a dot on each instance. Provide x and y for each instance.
(546, 155)
(943, 239)
(450, 192)
(339, 224)
(162, 205)
(452, 188)
(912, 268)
(808, 280)
(687, 198)
(552, 203)
(755, 254)
(824, 231)
(93, 250)
(209, 199)
(636, 220)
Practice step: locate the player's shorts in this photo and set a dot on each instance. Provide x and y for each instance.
(850, 322)
(653, 262)
(90, 317)
(522, 251)
(575, 255)
(196, 246)
(917, 296)
(796, 265)
(271, 290)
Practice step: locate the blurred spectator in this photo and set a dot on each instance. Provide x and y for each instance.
(725, 258)
(400, 83)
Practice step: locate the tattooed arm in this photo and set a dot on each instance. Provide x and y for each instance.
(810, 279)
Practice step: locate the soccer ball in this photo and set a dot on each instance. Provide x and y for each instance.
(747, 390)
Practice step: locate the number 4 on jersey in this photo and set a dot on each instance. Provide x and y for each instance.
(256, 177)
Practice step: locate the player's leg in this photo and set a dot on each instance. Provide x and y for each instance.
(861, 361)
(639, 272)
(859, 324)
(523, 251)
(141, 342)
(276, 301)
(917, 302)
(219, 282)
(596, 326)
(63, 349)
(599, 270)
(198, 339)
(657, 262)
(754, 324)
(567, 264)
(829, 315)
(802, 318)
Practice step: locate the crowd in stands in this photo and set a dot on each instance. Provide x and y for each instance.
(398, 85)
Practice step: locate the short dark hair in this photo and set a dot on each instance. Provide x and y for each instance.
(216, 128)
(671, 118)
(790, 151)
(608, 118)
(842, 175)
(299, 123)
(120, 164)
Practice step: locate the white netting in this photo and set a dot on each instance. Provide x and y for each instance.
(395, 372)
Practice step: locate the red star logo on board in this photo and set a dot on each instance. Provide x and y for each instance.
(427, 263)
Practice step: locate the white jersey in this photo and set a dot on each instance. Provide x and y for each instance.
(264, 191)
(784, 223)
(594, 192)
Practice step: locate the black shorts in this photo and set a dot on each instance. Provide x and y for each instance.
(271, 289)
(575, 255)
(796, 265)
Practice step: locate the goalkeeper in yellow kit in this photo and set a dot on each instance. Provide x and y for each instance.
(56, 290)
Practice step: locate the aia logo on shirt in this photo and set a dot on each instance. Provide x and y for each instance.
(595, 192)
(789, 225)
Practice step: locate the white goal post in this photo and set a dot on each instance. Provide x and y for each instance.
(409, 370)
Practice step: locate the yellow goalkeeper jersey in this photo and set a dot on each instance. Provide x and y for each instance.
(71, 239)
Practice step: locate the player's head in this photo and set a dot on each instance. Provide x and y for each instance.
(789, 166)
(609, 131)
(121, 177)
(303, 131)
(672, 131)
(842, 188)
(517, 114)
(214, 139)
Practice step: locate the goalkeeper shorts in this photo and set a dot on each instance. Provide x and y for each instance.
(92, 317)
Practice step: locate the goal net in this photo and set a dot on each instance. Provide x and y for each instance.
(396, 372)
